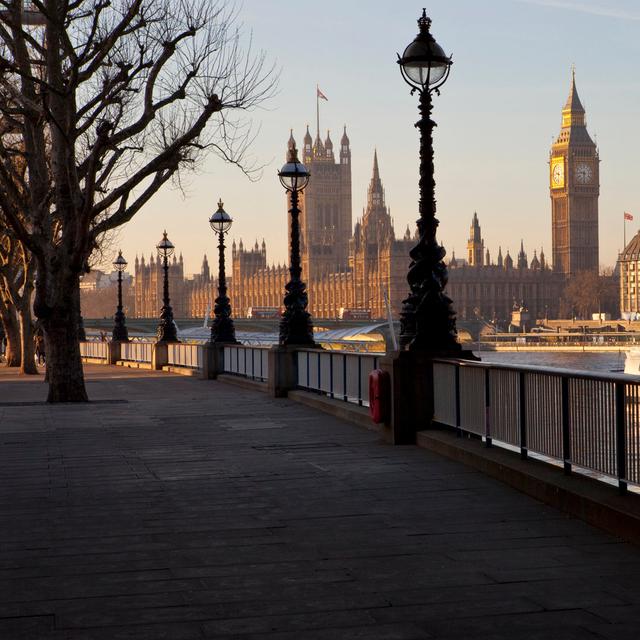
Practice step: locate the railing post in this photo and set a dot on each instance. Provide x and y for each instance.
(457, 396)
(159, 355)
(566, 435)
(345, 395)
(212, 360)
(621, 437)
(523, 415)
(331, 375)
(113, 351)
(359, 380)
(283, 370)
(487, 404)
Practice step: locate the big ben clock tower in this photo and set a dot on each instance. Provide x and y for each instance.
(575, 187)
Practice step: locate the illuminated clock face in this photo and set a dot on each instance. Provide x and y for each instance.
(558, 174)
(584, 173)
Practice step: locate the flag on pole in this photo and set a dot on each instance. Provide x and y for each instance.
(320, 94)
(628, 216)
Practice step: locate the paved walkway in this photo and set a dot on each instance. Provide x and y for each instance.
(177, 508)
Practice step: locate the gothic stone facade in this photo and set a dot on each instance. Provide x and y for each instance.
(342, 269)
(357, 270)
(489, 290)
(190, 298)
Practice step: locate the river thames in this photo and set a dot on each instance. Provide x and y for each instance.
(608, 361)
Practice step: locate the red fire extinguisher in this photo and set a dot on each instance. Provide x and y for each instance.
(379, 395)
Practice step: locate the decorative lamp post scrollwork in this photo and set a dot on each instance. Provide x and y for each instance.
(120, 333)
(427, 320)
(167, 331)
(222, 329)
(296, 327)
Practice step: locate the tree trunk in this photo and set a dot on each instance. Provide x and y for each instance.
(28, 364)
(11, 330)
(64, 364)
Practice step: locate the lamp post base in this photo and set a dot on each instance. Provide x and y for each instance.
(412, 400)
(167, 331)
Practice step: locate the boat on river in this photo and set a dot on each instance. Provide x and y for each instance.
(632, 361)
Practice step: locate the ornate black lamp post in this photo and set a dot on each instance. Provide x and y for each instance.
(295, 326)
(167, 328)
(120, 333)
(427, 320)
(222, 329)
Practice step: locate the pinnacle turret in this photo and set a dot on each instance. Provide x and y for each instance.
(307, 147)
(345, 151)
(508, 261)
(327, 143)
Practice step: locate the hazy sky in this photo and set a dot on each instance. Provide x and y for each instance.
(496, 118)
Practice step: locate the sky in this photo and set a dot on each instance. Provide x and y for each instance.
(497, 115)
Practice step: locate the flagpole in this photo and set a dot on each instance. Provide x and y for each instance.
(624, 231)
(318, 110)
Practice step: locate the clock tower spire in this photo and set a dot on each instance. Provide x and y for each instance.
(574, 185)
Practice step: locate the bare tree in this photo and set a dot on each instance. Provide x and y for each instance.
(587, 292)
(17, 275)
(109, 100)
(9, 320)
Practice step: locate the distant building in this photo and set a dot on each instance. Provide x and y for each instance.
(488, 290)
(96, 280)
(629, 273)
(363, 268)
(189, 297)
(342, 269)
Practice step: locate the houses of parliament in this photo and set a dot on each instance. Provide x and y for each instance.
(365, 265)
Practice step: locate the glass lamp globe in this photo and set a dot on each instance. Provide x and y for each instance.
(165, 247)
(120, 263)
(293, 175)
(424, 64)
(221, 221)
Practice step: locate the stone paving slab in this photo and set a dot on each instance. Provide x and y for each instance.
(176, 508)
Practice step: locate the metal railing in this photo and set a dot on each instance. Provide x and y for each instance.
(185, 355)
(136, 352)
(344, 376)
(95, 350)
(246, 361)
(582, 420)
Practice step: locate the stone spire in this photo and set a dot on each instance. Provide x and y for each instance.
(573, 103)
(500, 261)
(375, 194)
(523, 263)
(573, 113)
(475, 244)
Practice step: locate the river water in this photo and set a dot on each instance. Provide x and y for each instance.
(582, 361)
